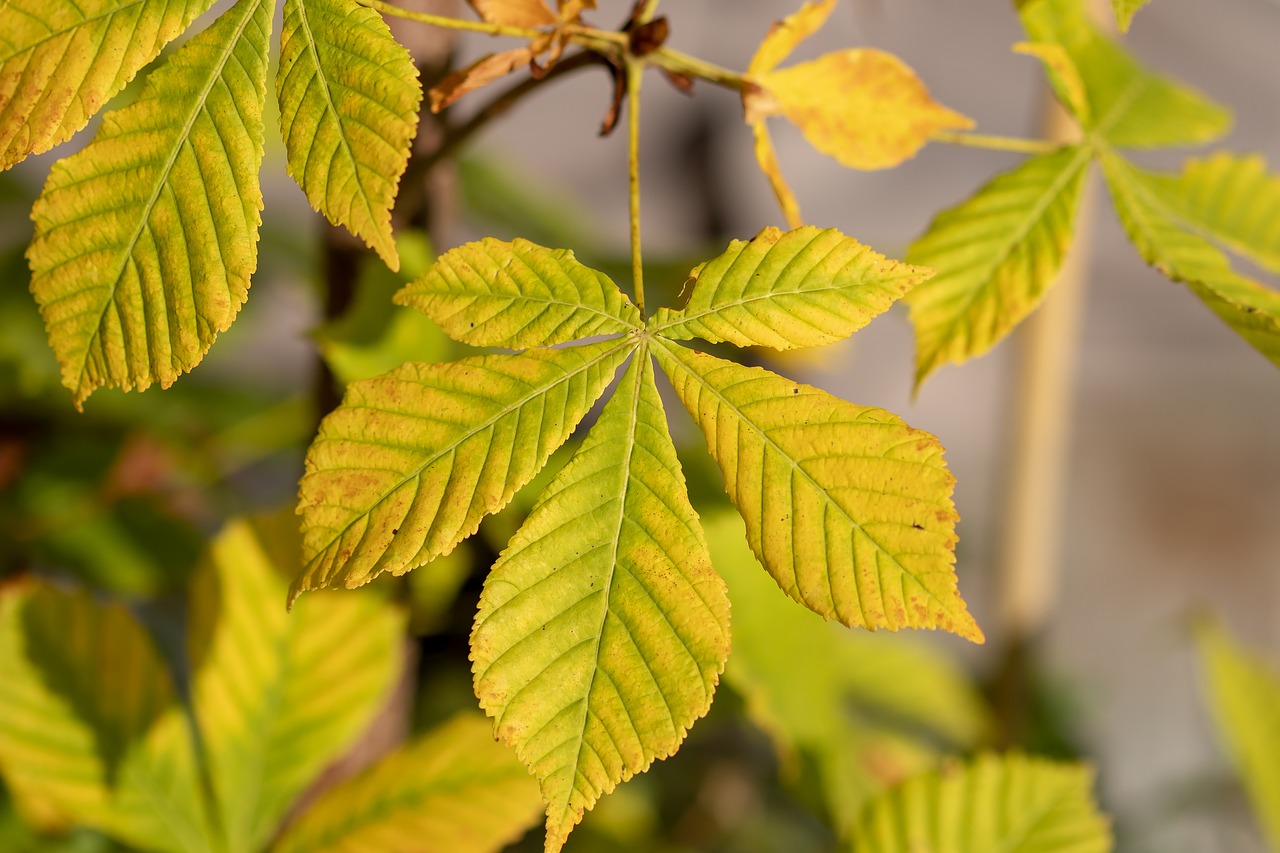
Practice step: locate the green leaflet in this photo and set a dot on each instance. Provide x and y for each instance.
(349, 96)
(279, 696)
(1130, 106)
(145, 241)
(411, 461)
(1248, 307)
(1009, 803)
(603, 628)
(453, 790)
(996, 255)
(60, 61)
(801, 288)
(1231, 199)
(519, 295)
(847, 507)
(1243, 691)
(90, 730)
(1125, 10)
(866, 710)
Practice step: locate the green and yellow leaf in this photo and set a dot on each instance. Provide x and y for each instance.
(996, 256)
(847, 507)
(453, 789)
(867, 711)
(61, 61)
(802, 288)
(1243, 691)
(1125, 10)
(1129, 105)
(349, 96)
(603, 628)
(518, 295)
(279, 696)
(145, 241)
(1063, 75)
(91, 732)
(1252, 310)
(411, 461)
(996, 802)
(1231, 199)
(514, 13)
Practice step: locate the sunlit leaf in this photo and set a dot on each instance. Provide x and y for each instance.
(602, 629)
(785, 35)
(847, 507)
(1125, 10)
(411, 461)
(1130, 106)
(90, 730)
(1244, 694)
(768, 160)
(1233, 200)
(452, 789)
(145, 240)
(278, 695)
(996, 256)
(1012, 803)
(863, 107)
(61, 61)
(514, 13)
(349, 96)
(867, 710)
(518, 295)
(801, 288)
(1248, 307)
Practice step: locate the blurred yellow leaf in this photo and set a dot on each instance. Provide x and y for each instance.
(514, 13)
(784, 35)
(768, 161)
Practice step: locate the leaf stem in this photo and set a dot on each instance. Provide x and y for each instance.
(997, 143)
(451, 23)
(648, 11)
(635, 72)
(690, 66)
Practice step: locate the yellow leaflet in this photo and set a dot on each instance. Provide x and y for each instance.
(768, 161)
(847, 507)
(514, 13)
(411, 461)
(785, 35)
(1064, 75)
(62, 60)
(802, 288)
(145, 241)
(349, 96)
(518, 295)
(603, 628)
(864, 107)
(453, 789)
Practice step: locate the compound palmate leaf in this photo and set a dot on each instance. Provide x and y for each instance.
(996, 256)
(145, 241)
(349, 96)
(518, 295)
(452, 790)
(801, 288)
(1011, 803)
(61, 61)
(846, 506)
(603, 628)
(411, 461)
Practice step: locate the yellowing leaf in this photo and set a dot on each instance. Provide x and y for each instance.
(518, 295)
(847, 507)
(603, 628)
(480, 73)
(411, 461)
(1248, 307)
(768, 161)
(863, 107)
(802, 288)
(453, 790)
(1233, 200)
(784, 35)
(866, 710)
(996, 802)
(62, 60)
(349, 96)
(1244, 695)
(514, 13)
(1129, 105)
(90, 730)
(1063, 74)
(279, 696)
(996, 256)
(145, 240)
(1125, 10)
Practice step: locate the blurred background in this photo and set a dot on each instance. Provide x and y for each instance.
(1171, 497)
